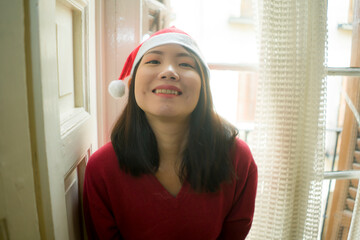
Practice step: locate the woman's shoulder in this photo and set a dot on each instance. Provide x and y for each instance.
(243, 158)
(104, 157)
(242, 148)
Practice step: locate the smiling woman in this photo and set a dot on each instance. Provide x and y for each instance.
(174, 169)
(158, 89)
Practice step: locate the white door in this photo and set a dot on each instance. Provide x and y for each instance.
(63, 78)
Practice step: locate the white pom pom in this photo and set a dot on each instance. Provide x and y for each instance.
(117, 88)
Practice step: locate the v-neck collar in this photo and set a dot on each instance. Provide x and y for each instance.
(166, 193)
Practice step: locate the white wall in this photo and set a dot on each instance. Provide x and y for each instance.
(17, 194)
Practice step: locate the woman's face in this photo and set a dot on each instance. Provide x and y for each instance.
(167, 82)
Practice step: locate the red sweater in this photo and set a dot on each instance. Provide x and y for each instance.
(120, 206)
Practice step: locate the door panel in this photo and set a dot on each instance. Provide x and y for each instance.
(66, 113)
(73, 196)
(76, 121)
(65, 63)
(72, 205)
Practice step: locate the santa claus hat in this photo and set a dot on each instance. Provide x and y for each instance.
(165, 36)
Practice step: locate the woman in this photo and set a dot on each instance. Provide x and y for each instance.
(174, 169)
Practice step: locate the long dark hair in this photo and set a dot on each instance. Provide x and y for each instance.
(206, 161)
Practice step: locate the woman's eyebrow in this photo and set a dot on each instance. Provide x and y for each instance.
(183, 54)
(155, 52)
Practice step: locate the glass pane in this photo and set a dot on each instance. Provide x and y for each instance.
(223, 36)
(338, 201)
(339, 33)
(334, 121)
(335, 114)
(235, 101)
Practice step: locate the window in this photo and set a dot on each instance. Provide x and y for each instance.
(341, 182)
(347, 24)
(155, 16)
(243, 12)
(240, 90)
(234, 83)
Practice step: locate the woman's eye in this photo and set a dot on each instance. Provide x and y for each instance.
(153, 62)
(186, 65)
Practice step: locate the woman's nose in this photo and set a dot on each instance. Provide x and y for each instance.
(169, 73)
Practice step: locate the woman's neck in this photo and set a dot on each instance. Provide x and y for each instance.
(171, 138)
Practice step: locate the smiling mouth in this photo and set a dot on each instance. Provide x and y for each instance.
(166, 91)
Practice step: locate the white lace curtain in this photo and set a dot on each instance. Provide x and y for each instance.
(290, 119)
(354, 232)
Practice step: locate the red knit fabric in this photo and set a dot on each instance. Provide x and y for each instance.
(119, 206)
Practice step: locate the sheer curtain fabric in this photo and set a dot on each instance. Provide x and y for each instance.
(290, 119)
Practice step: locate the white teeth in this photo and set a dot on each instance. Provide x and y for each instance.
(167, 91)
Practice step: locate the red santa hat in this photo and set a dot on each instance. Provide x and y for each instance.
(165, 36)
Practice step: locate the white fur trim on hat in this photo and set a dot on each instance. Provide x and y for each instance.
(117, 88)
